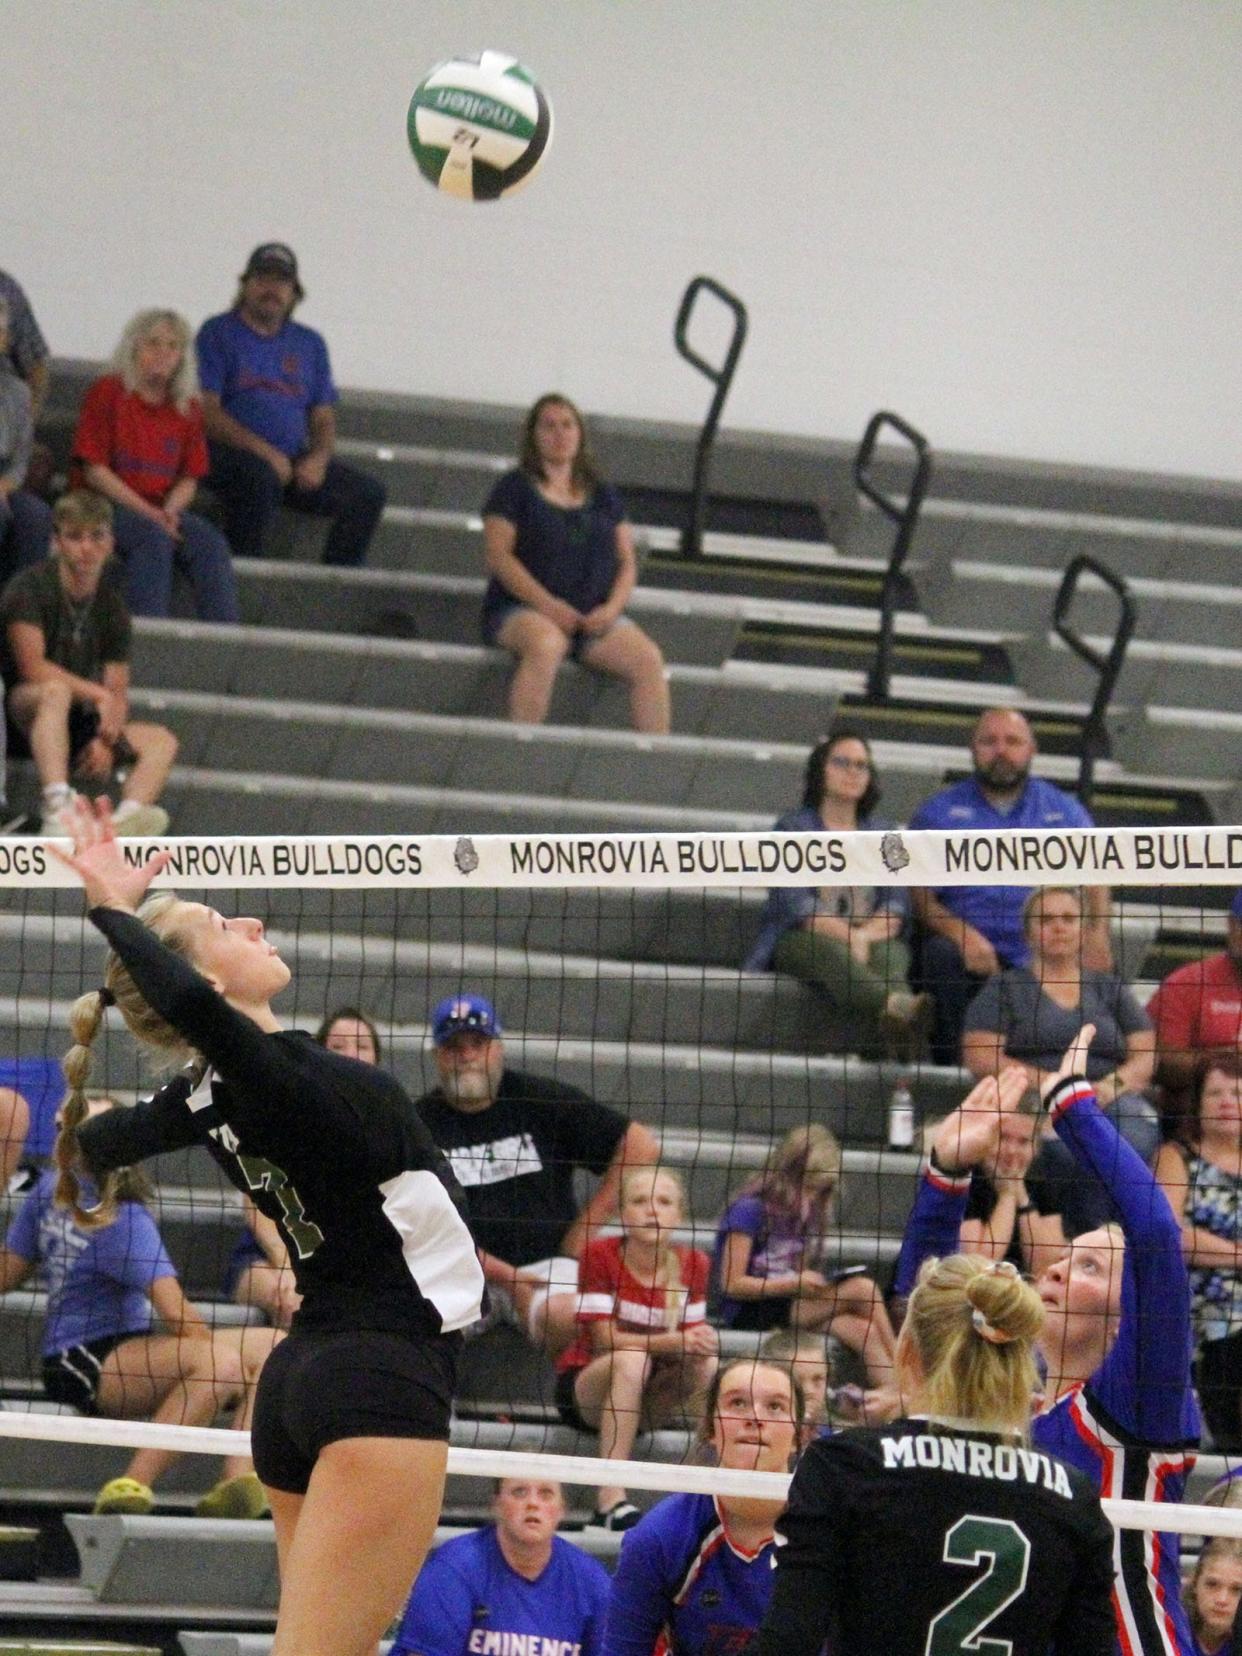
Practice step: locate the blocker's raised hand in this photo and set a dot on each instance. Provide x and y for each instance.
(1073, 1061)
(109, 880)
(971, 1133)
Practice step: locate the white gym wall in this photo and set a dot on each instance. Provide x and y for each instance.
(1018, 222)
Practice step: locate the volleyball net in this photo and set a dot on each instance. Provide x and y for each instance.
(615, 966)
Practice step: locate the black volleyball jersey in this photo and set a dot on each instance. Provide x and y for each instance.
(331, 1149)
(922, 1540)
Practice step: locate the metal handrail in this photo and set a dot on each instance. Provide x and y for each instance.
(722, 378)
(1107, 663)
(905, 514)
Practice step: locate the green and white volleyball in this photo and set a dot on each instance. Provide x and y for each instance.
(479, 127)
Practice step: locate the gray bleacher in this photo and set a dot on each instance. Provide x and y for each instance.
(356, 701)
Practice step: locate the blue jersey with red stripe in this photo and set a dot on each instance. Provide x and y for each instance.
(682, 1586)
(1133, 1425)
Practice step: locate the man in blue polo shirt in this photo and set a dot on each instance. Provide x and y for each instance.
(269, 408)
(969, 932)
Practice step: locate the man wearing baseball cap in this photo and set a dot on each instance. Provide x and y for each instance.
(269, 408)
(1197, 1010)
(515, 1141)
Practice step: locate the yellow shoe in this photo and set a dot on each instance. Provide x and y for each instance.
(124, 1495)
(243, 1497)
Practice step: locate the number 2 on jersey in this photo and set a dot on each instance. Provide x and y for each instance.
(265, 1175)
(973, 1541)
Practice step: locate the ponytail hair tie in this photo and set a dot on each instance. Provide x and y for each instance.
(986, 1331)
(106, 997)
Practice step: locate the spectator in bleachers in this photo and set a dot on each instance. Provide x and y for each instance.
(269, 402)
(106, 1288)
(1212, 1596)
(1197, 1013)
(969, 933)
(64, 658)
(25, 520)
(27, 355)
(1203, 1180)
(512, 1585)
(259, 1272)
(1010, 1214)
(849, 940)
(14, 1126)
(352, 1032)
(696, 1573)
(1029, 1014)
(514, 1142)
(561, 561)
(769, 1255)
(806, 1356)
(140, 442)
(644, 1346)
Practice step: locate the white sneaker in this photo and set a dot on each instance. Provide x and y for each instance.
(51, 826)
(139, 821)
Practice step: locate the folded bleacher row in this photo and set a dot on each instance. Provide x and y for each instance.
(361, 701)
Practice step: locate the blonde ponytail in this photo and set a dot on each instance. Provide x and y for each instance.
(668, 1266)
(163, 915)
(973, 1323)
(85, 1020)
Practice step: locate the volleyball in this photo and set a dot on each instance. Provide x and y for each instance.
(479, 127)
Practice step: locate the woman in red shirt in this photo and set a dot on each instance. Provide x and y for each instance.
(140, 442)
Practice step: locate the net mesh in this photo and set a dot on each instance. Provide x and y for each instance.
(614, 962)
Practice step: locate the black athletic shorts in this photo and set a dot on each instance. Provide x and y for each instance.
(72, 1376)
(317, 1388)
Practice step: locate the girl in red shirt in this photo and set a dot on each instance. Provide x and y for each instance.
(645, 1346)
(140, 442)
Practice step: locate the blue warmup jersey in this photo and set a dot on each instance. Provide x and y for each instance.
(467, 1601)
(996, 911)
(684, 1588)
(1133, 1426)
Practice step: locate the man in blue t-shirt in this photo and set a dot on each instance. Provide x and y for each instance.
(269, 405)
(966, 933)
(514, 1586)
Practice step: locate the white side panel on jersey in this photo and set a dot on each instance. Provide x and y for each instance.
(438, 1248)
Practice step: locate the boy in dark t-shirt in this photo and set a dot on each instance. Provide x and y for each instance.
(514, 1142)
(64, 659)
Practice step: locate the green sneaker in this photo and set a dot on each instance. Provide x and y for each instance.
(243, 1497)
(124, 1495)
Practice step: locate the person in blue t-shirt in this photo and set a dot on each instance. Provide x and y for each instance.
(102, 1351)
(967, 933)
(488, 1593)
(269, 405)
(696, 1572)
(562, 565)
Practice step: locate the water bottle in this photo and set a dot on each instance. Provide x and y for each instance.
(901, 1116)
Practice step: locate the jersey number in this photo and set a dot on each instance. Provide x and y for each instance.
(1006, 1552)
(265, 1175)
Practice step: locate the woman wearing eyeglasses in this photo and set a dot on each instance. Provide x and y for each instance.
(850, 940)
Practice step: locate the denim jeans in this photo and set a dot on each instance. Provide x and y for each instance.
(150, 555)
(251, 494)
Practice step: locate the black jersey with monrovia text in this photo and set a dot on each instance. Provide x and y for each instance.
(332, 1149)
(515, 1160)
(920, 1539)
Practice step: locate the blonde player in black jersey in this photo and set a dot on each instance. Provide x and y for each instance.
(350, 1432)
(945, 1533)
